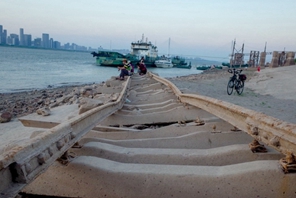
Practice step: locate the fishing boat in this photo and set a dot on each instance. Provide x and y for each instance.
(164, 62)
(180, 62)
(145, 138)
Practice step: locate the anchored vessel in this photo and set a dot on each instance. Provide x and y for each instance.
(147, 139)
(139, 49)
(164, 62)
(144, 48)
(109, 58)
(180, 62)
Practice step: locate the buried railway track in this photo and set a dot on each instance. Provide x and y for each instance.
(150, 141)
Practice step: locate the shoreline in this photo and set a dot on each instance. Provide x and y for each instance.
(211, 83)
(19, 104)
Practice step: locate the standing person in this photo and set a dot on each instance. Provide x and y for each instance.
(142, 70)
(132, 68)
(142, 61)
(124, 70)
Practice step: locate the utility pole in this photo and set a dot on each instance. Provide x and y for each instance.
(242, 58)
(169, 47)
(232, 54)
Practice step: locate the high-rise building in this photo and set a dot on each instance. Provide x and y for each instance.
(45, 40)
(22, 42)
(27, 40)
(56, 45)
(37, 42)
(1, 31)
(13, 39)
(4, 37)
(51, 43)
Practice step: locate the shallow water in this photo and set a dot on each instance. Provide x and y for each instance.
(23, 69)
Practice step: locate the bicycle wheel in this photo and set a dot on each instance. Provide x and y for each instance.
(239, 87)
(230, 86)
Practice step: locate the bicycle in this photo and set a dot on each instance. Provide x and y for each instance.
(237, 81)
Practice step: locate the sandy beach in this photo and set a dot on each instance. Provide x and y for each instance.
(270, 91)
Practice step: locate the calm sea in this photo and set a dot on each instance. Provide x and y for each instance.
(24, 69)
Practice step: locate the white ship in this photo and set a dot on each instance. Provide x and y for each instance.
(145, 49)
(164, 62)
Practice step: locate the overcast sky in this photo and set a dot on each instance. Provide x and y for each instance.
(204, 28)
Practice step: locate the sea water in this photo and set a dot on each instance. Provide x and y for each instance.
(25, 69)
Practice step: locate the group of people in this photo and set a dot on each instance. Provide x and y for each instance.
(128, 69)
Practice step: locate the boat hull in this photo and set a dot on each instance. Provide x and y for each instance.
(109, 58)
(109, 62)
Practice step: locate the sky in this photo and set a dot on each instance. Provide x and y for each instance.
(204, 28)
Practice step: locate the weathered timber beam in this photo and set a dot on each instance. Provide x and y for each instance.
(22, 164)
(276, 133)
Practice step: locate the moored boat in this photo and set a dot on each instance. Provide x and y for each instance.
(180, 62)
(235, 66)
(143, 49)
(203, 67)
(109, 58)
(140, 49)
(164, 62)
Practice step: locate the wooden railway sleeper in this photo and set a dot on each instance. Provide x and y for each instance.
(256, 147)
(288, 163)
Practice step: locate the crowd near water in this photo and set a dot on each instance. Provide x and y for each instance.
(25, 69)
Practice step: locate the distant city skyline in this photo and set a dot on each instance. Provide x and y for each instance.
(25, 40)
